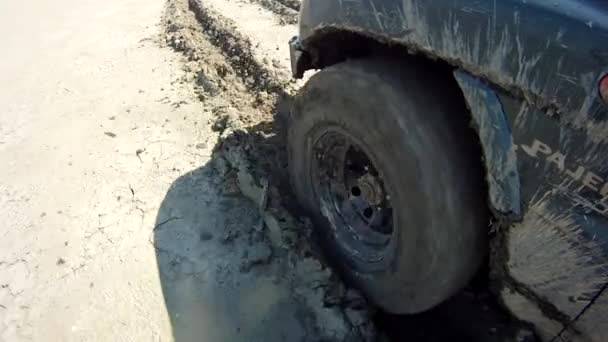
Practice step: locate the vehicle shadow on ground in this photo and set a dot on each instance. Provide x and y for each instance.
(215, 263)
(197, 258)
(212, 259)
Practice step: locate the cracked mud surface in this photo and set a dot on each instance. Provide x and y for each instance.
(144, 188)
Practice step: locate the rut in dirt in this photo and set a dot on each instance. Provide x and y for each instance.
(286, 12)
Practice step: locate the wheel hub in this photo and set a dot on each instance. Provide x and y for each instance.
(347, 179)
(371, 189)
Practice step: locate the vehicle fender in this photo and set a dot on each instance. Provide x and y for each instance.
(490, 122)
(549, 55)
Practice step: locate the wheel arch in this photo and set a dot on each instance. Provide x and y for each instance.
(485, 113)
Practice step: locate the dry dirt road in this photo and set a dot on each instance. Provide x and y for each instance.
(131, 208)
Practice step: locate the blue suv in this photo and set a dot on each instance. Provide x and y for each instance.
(446, 138)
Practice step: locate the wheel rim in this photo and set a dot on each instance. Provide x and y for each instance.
(353, 196)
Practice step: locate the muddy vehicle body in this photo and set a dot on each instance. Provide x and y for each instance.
(425, 109)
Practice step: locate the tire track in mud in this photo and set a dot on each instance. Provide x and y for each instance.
(256, 60)
(254, 29)
(221, 64)
(293, 4)
(287, 15)
(237, 71)
(237, 48)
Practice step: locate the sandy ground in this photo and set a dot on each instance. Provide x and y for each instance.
(121, 224)
(85, 87)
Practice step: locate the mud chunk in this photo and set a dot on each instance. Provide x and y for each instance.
(227, 118)
(221, 166)
(207, 84)
(258, 254)
(110, 134)
(274, 229)
(254, 189)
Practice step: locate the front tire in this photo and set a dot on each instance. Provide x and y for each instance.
(393, 179)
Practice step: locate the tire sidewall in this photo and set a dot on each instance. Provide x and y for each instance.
(407, 150)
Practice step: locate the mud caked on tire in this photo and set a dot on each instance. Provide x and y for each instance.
(382, 157)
